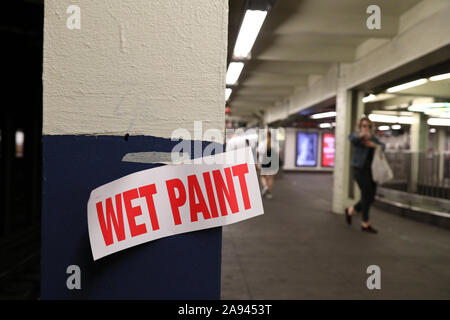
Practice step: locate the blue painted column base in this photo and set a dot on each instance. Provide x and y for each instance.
(185, 266)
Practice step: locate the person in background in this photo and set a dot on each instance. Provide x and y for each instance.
(364, 143)
(268, 153)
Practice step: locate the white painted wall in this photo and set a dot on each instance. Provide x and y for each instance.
(135, 66)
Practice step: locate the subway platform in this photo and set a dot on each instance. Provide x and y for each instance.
(300, 250)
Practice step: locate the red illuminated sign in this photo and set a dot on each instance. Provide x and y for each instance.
(328, 149)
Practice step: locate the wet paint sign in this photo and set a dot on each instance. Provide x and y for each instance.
(160, 202)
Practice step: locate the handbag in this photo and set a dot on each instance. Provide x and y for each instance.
(381, 171)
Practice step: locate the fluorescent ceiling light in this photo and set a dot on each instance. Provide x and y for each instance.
(325, 125)
(439, 122)
(248, 33)
(368, 98)
(233, 72)
(227, 93)
(322, 115)
(422, 107)
(396, 107)
(378, 97)
(407, 85)
(383, 128)
(405, 120)
(440, 77)
(390, 119)
(435, 109)
(396, 127)
(383, 118)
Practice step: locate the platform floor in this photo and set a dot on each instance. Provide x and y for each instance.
(300, 250)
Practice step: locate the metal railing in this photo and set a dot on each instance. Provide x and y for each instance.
(423, 173)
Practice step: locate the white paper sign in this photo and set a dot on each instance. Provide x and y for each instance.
(164, 201)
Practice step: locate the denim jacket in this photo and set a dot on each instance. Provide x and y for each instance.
(360, 151)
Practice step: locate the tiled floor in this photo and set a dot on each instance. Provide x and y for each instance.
(300, 250)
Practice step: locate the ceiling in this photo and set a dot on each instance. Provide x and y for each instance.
(299, 42)
(437, 89)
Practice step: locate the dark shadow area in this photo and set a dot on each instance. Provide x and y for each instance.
(21, 29)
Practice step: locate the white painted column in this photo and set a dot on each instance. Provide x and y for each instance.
(419, 134)
(440, 150)
(345, 124)
(136, 67)
(341, 173)
(360, 111)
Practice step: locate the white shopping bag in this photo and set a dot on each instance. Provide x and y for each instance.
(381, 171)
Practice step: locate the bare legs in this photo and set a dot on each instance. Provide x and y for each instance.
(267, 182)
(351, 210)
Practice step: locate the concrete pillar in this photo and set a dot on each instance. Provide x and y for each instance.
(340, 178)
(419, 135)
(360, 110)
(342, 153)
(441, 135)
(133, 73)
(349, 108)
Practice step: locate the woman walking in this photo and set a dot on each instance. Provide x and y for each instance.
(364, 143)
(269, 159)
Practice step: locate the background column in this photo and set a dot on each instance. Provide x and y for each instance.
(349, 108)
(419, 135)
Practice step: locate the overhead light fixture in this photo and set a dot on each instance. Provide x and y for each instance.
(445, 122)
(422, 107)
(396, 107)
(405, 120)
(407, 85)
(325, 125)
(228, 93)
(383, 118)
(368, 98)
(253, 20)
(390, 119)
(432, 130)
(329, 114)
(233, 72)
(396, 127)
(435, 109)
(440, 77)
(383, 128)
